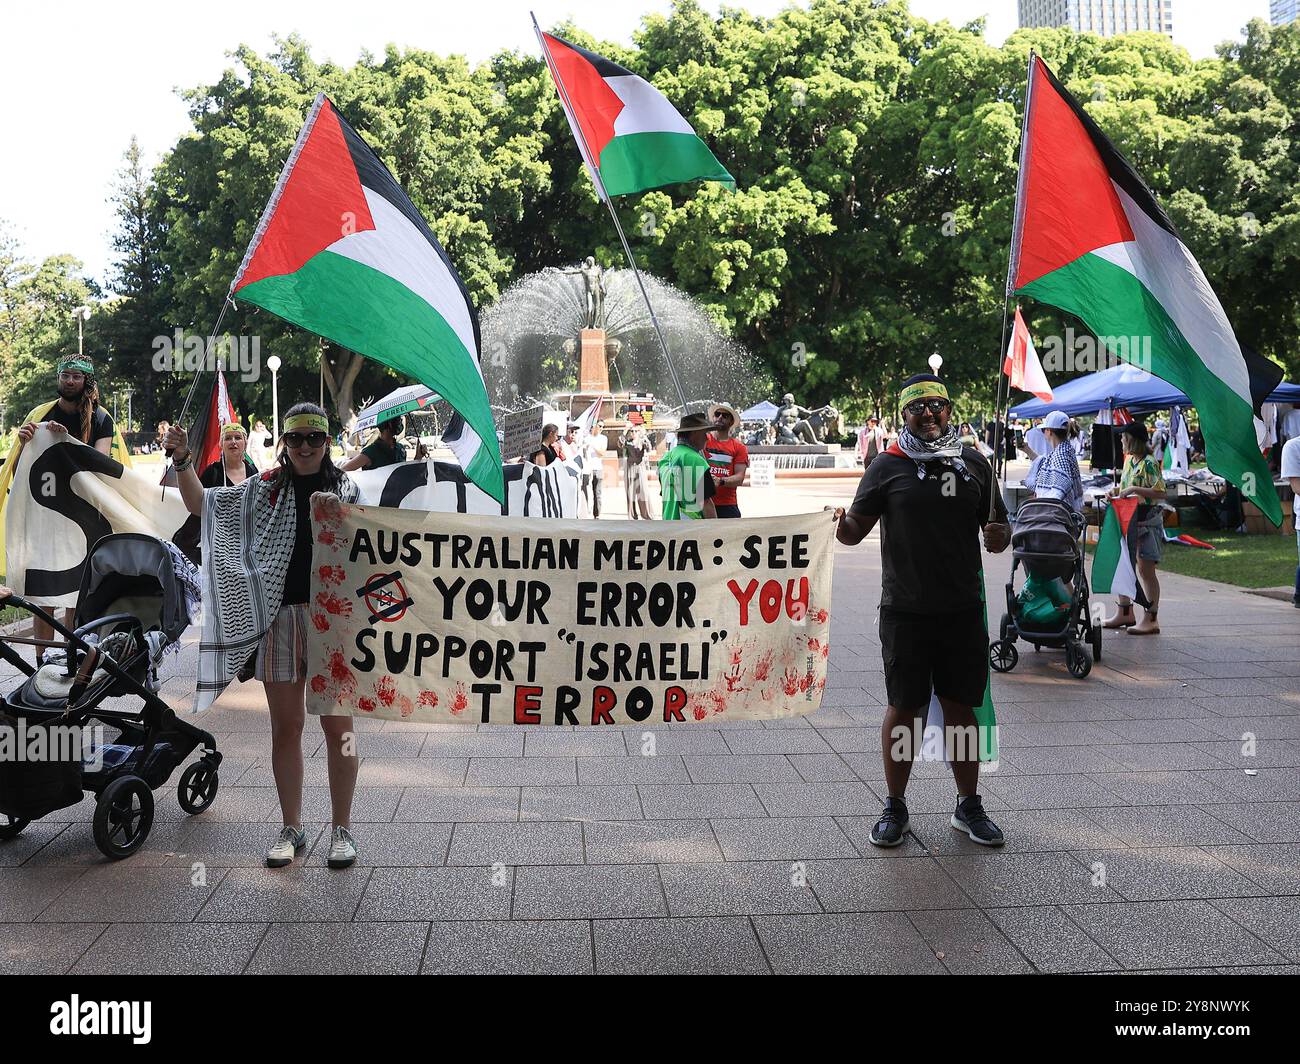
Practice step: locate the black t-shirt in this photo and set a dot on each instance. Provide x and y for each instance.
(101, 423)
(297, 585)
(929, 529)
(382, 455)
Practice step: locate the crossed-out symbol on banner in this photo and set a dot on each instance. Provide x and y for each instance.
(385, 603)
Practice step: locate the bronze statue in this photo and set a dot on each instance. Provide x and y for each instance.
(791, 423)
(795, 425)
(593, 276)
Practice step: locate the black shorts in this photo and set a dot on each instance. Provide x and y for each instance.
(944, 652)
(725, 509)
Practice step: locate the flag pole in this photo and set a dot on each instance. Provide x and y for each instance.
(594, 170)
(1013, 263)
(189, 397)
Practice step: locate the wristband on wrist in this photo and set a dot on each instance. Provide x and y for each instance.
(184, 463)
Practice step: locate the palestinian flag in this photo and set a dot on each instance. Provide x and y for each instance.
(631, 138)
(342, 251)
(1091, 239)
(1113, 572)
(205, 436)
(935, 743)
(1022, 366)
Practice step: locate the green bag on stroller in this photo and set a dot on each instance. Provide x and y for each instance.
(1042, 602)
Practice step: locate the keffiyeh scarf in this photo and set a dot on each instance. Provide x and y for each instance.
(1058, 476)
(946, 449)
(248, 538)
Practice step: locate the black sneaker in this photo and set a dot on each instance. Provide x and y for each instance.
(892, 824)
(971, 818)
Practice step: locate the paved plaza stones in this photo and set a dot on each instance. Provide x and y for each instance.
(1136, 839)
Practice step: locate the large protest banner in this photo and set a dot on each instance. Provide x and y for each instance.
(531, 491)
(443, 617)
(65, 496)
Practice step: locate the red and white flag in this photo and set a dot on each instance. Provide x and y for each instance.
(1022, 364)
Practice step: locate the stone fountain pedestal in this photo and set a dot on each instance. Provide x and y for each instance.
(593, 369)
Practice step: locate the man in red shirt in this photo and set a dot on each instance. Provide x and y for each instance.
(728, 458)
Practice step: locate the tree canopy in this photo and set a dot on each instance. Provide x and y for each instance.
(875, 157)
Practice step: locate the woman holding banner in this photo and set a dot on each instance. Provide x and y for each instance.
(257, 552)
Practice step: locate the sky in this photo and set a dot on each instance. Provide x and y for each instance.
(82, 78)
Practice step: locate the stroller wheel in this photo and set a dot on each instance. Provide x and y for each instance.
(1094, 637)
(123, 817)
(11, 827)
(1003, 655)
(197, 788)
(1077, 660)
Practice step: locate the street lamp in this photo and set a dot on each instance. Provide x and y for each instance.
(82, 314)
(273, 364)
(936, 360)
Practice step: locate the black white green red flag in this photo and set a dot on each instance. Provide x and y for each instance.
(342, 251)
(1091, 239)
(631, 138)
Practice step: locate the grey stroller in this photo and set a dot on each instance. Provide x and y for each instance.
(1045, 541)
(130, 609)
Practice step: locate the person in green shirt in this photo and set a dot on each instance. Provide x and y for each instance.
(685, 483)
(383, 450)
(1143, 478)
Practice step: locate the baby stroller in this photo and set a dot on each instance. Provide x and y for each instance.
(1053, 610)
(130, 608)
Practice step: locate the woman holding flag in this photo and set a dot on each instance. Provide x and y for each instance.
(257, 549)
(1142, 478)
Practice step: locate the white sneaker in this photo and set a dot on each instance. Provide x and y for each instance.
(343, 849)
(291, 840)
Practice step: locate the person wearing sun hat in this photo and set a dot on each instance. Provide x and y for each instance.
(685, 484)
(257, 554)
(932, 497)
(728, 458)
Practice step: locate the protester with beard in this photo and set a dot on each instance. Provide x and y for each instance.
(932, 497)
(75, 413)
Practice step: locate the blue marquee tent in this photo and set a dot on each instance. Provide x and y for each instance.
(763, 411)
(1127, 386)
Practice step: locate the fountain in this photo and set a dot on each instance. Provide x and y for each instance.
(570, 337)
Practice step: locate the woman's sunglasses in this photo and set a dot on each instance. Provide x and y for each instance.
(311, 439)
(935, 406)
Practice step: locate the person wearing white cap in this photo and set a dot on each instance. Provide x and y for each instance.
(1055, 474)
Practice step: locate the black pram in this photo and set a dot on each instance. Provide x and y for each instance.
(1045, 541)
(130, 609)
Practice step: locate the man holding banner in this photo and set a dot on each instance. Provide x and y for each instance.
(932, 497)
(75, 413)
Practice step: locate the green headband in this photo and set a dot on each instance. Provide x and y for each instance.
(233, 428)
(314, 422)
(78, 363)
(922, 390)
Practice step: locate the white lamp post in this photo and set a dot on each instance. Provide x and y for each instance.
(273, 364)
(82, 314)
(936, 360)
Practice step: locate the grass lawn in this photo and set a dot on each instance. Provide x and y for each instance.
(1238, 558)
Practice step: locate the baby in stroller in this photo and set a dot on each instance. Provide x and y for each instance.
(135, 601)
